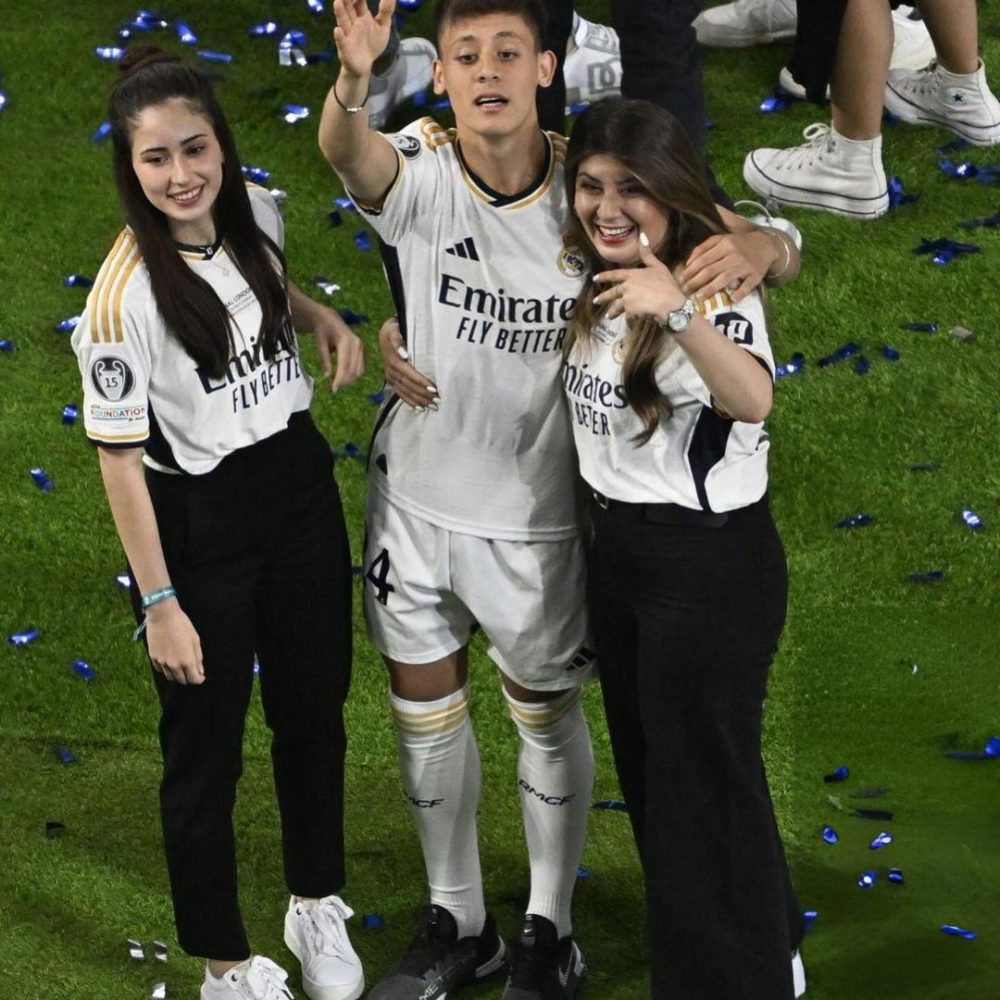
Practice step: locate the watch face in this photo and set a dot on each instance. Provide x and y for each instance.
(680, 319)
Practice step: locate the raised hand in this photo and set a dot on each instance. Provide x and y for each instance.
(360, 37)
(649, 290)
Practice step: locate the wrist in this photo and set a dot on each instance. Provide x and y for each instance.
(162, 610)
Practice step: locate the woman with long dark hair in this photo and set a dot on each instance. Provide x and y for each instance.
(687, 579)
(223, 496)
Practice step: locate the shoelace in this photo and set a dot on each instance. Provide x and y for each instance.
(819, 139)
(328, 916)
(267, 980)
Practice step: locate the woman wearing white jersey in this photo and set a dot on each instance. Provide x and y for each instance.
(687, 579)
(223, 495)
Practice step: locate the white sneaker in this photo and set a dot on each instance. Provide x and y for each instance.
(962, 102)
(316, 936)
(828, 173)
(745, 22)
(257, 978)
(912, 48)
(410, 73)
(593, 66)
(798, 974)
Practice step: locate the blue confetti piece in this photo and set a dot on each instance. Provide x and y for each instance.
(868, 880)
(830, 835)
(955, 931)
(346, 204)
(583, 873)
(989, 752)
(710, 125)
(294, 113)
(25, 638)
(410, 5)
(209, 55)
(70, 413)
(611, 805)
(928, 576)
(855, 521)
(362, 240)
(809, 917)
(987, 222)
(3, 100)
(370, 921)
(778, 101)
(884, 839)
(146, 20)
(68, 325)
(257, 174)
(316, 6)
(65, 754)
(185, 34)
(351, 450)
(8, 346)
(896, 876)
(78, 281)
(256, 666)
(943, 251)
(357, 570)
(101, 132)
(264, 30)
(919, 327)
(441, 105)
(326, 55)
(890, 353)
(293, 38)
(578, 108)
(992, 748)
(112, 53)
(972, 520)
(840, 774)
(40, 478)
(898, 196)
(795, 365)
(124, 581)
(840, 354)
(84, 670)
(954, 146)
(377, 398)
(334, 218)
(888, 118)
(862, 365)
(351, 318)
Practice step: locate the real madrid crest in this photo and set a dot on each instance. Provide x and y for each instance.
(570, 259)
(618, 351)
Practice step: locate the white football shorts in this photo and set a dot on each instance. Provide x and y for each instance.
(426, 588)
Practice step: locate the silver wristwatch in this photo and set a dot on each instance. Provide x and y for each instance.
(678, 320)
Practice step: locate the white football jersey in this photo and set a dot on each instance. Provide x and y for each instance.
(697, 458)
(484, 286)
(142, 389)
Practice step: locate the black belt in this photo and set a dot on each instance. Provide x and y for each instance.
(662, 513)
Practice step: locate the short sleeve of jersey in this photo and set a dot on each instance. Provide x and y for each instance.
(113, 350)
(266, 213)
(421, 149)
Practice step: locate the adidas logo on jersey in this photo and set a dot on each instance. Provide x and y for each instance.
(466, 249)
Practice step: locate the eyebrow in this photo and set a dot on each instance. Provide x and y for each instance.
(500, 34)
(184, 142)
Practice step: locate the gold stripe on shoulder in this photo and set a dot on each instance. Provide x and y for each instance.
(101, 291)
(119, 333)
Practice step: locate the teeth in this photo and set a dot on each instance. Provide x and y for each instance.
(612, 233)
(190, 196)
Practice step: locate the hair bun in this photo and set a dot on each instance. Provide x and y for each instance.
(141, 56)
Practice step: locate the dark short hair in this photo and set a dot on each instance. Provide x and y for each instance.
(532, 12)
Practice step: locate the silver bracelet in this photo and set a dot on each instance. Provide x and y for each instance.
(344, 107)
(776, 234)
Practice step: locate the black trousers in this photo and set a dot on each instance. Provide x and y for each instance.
(687, 619)
(258, 553)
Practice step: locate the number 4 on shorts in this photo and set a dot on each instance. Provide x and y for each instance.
(378, 575)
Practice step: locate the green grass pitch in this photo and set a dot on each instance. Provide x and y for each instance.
(875, 672)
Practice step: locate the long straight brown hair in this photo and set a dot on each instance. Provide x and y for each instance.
(191, 309)
(653, 146)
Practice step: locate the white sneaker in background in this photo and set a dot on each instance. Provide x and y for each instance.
(316, 936)
(593, 66)
(409, 74)
(798, 974)
(828, 173)
(257, 978)
(745, 22)
(962, 102)
(912, 48)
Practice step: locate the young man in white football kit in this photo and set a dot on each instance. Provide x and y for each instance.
(472, 516)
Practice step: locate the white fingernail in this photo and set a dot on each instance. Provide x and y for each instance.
(403, 352)
(436, 401)
(643, 239)
(432, 389)
(418, 409)
(432, 407)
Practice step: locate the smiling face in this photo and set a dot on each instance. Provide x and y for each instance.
(490, 67)
(178, 162)
(613, 208)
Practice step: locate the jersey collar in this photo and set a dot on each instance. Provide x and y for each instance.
(498, 199)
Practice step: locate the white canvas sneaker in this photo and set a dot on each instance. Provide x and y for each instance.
(593, 66)
(257, 978)
(912, 48)
(962, 102)
(409, 74)
(316, 936)
(828, 173)
(798, 974)
(745, 22)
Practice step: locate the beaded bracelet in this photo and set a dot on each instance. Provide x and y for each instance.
(344, 107)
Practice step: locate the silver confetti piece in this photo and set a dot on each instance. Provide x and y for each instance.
(159, 992)
(135, 950)
(160, 951)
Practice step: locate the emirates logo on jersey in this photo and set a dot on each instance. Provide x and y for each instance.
(112, 378)
(570, 259)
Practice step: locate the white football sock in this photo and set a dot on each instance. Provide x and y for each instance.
(556, 780)
(439, 764)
